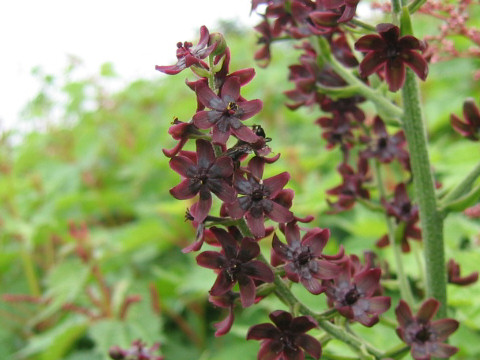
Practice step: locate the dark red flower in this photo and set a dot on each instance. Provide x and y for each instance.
(228, 112)
(286, 340)
(470, 127)
(425, 336)
(137, 351)
(352, 186)
(226, 301)
(349, 7)
(235, 264)
(305, 262)
(391, 53)
(259, 198)
(181, 131)
(188, 55)
(453, 272)
(406, 214)
(208, 174)
(384, 147)
(352, 294)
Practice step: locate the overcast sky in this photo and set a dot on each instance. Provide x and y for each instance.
(133, 35)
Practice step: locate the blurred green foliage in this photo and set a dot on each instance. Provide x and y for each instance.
(94, 157)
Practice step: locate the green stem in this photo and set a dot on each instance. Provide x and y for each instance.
(464, 186)
(430, 219)
(415, 5)
(386, 108)
(362, 25)
(396, 8)
(211, 76)
(29, 269)
(405, 290)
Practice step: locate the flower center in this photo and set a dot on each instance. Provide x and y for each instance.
(258, 194)
(202, 176)
(303, 256)
(382, 143)
(406, 208)
(423, 335)
(232, 107)
(352, 296)
(233, 269)
(287, 342)
(392, 52)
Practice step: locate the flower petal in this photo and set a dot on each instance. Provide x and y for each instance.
(281, 318)
(224, 326)
(395, 74)
(444, 351)
(223, 190)
(367, 281)
(249, 108)
(208, 98)
(428, 310)
(279, 213)
(247, 290)
(184, 190)
(444, 327)
(223, 284)
(230, 91)
(229, 244)
(370, 42)
(316, 240)
(263, 331)
(203, 208)
(276, 183)
(246, 134)
(205, 154)
(256, 224)
(211, 260)
(312, 285)
(182, 165)
(249, 250)
(221, 168)
(371, 63)
(258, 271)
(416, 62)
(280, 249)
(310, 345)
(404, 314)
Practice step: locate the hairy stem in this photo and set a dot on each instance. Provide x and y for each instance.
(431, 220)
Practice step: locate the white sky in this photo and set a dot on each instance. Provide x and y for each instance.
(133, 35)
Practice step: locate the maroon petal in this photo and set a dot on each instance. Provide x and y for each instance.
(235, 210)
(249, 250)
(208, 98)
(279, 213)
(250, 108)
(220, 136)
(370, 43)
(404, 314)
(471, 112)
(395, 74)
(281, 318)
(428, 310)
(388, 32)
(371, 63)
(256, 166)
(416, 62)
(211, 260)
(256, 225)
(229, 244)
(246, 134)
(202, 119)
(317, 241)
(444, 351)
(247, 291)
(205, 153)
(303, 324)
(258, 271)
(184, 190)
(222, 285)
(311, 345)
(203, 208)
(312, 285)
(262, 331)
(444, 327)
(244, 75)
(348, 14)
(231, 89)
(204, 36)
(225, 325)
(293, 354)
(221, 168)
(276, 183)
(281, 250)
(182, 165)
(378, 304)
(409, 42)
(223, 190)
(367, 281)
(170, 70)
(326, 270)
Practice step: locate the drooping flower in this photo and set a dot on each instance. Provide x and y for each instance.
(406, 214)
(390, 52)
(425, 336)
(188, 55)
(352, 294)
(286, 340)
(235, 264)
(258, 200)
(208, 174)
(386, 148)
(228, 112)
(453, 272)
(226, 301)
(138, 351)
(349, 7)
(470, 127)
(304, 260)
(182, 132)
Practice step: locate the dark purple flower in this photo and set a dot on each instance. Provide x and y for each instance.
(181, 131)
(137, 351)
(349, 7)
(453, 272)
(259, 198)
(337, 130)
(305, 262)
(287, 339)
(352, 294)
(228, 112)
(235, 264)
(263, 55)
(390, 52)
(342, 50)
(351, 187)
(244, 76)
(470, 127)
(226, 301)
(208, 174)
(425, 336)
(406, 214)
(384, 147)
(188, 55)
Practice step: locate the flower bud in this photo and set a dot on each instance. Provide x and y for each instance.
(217, 38)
